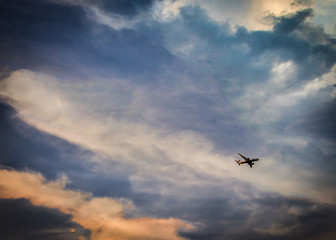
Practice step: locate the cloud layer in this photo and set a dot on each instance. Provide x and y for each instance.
(123, 118)
(154, 153)
(19, 218)
(103, 216)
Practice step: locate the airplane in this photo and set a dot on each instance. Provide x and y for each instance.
(247, 160)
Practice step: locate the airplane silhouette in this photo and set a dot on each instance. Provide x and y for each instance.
(247, 160)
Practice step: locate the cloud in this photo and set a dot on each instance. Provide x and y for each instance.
(281, 67)
(42, 153)
(248, 13)
(127, 14)
(325, 16)
(116, 14)
(20, 27)
(20, 219)
(103, 216)
(120, 7)
(167, 103)
(238, 211)
(154, 154)
(275, 100)
(211, 44)
(262, 216)
(96, 50)
(131, 124)
(116, 22)
(271, 76)
(123, 140)
(289, 24)
(318, 121)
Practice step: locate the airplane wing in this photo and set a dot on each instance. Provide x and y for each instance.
(242, 156)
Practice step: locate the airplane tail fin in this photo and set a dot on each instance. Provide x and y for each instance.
(238, 161)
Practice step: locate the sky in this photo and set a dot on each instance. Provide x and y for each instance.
(122, 119)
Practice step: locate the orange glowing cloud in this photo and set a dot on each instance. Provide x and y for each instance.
(103, 216)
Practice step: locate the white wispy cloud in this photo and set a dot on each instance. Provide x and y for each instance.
(114, 21)
(98, 14)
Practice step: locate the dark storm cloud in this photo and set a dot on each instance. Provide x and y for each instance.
(29, 29)
(318, 48)
(19, 219)
(216, 50)
(287, 25)
(293, 219)
(229, 61)
(38, 35)
(236, 210)
(307, 44)
(130, 7)
(293, 38)
(267, 217)
(305, 3)
(225, 62)
(311, 156)
(139, 56)
(318, 122)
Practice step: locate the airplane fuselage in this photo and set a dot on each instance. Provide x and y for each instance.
(247, 160)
